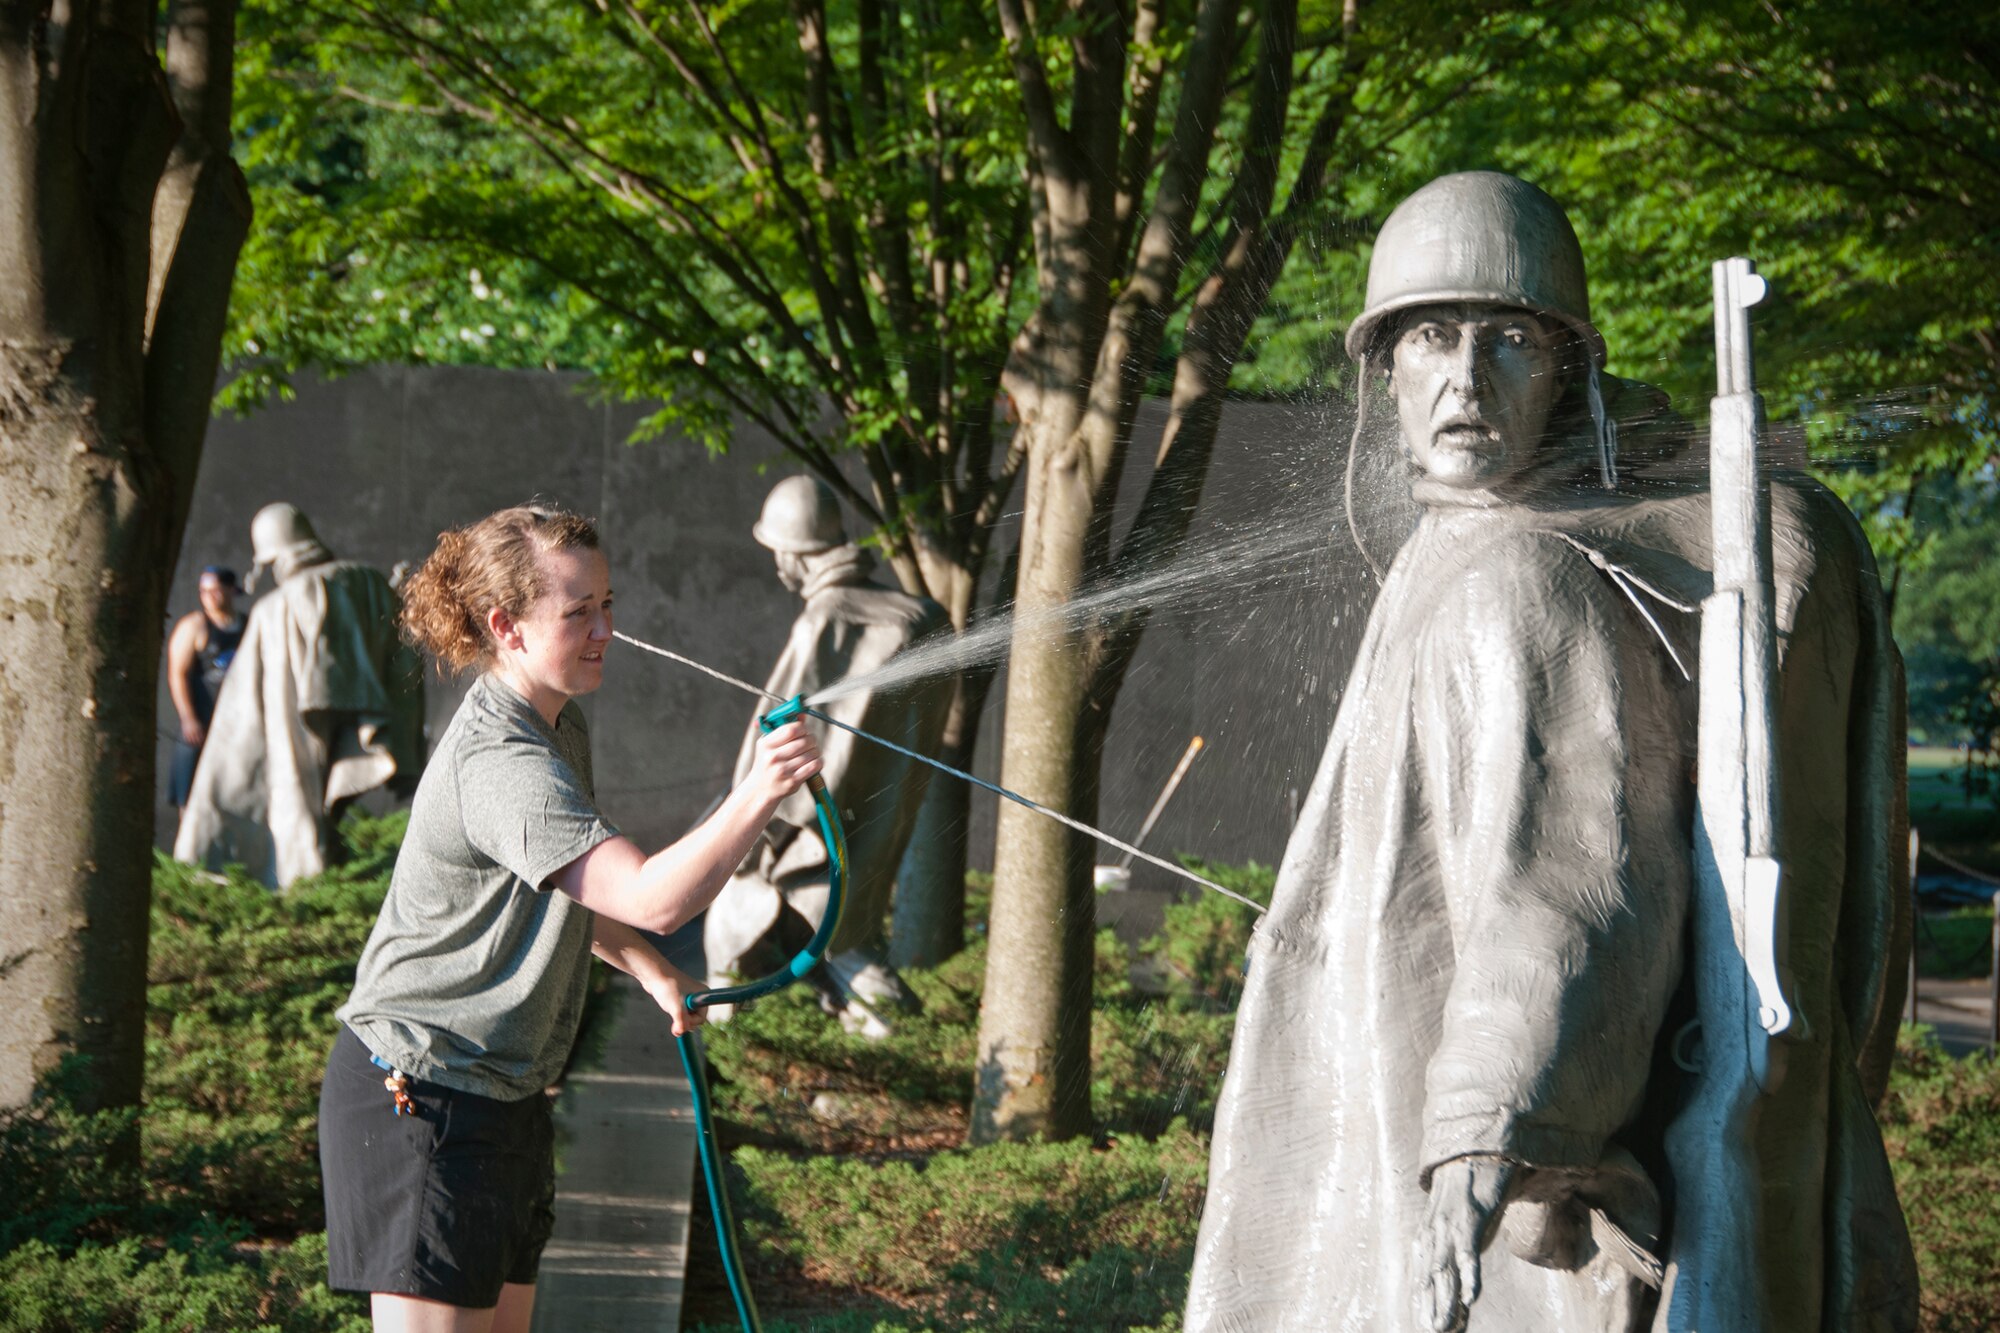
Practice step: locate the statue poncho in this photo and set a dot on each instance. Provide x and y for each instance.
(1476, 943)
(323, 703)
(849, 627)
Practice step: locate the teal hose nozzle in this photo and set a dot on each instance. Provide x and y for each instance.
(791, 710)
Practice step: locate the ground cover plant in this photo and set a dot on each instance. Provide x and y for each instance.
(217, 1224)
(1942, 1122)
(864, 1215)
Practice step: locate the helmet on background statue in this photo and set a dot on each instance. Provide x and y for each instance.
(801, 516)
(282, 538)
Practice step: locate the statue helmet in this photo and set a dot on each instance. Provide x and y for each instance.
(276, 530)
(801, 515)
(1481, 237)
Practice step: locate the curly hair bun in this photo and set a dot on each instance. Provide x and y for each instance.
(495, 562)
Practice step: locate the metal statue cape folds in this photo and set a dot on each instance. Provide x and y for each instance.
(1477, 940)
(323, 703)
(849, 627)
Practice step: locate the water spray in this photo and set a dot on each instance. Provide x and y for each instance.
(800, 707)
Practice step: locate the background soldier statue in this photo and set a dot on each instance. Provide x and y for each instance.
(1466, 1024)
(323, 703)
(849, 627)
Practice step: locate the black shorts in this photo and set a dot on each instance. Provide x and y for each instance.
(448, 1203)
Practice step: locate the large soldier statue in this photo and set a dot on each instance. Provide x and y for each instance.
(1470, 1016)
(849, 626)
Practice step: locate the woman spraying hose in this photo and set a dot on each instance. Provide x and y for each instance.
(435, 1136)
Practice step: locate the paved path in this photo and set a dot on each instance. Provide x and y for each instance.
(625, 1168)
(1961, 1011)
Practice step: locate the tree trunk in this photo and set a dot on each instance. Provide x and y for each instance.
(1033, 1073)
(1033, 1076)
(928, 924)
(79, 643)
(1075, 375)
(113, 293)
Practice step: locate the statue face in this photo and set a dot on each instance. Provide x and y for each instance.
(791, 570)
(1474, 388)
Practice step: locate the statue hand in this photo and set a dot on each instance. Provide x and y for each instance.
(1466, 1197)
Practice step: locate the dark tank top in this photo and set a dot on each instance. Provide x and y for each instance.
(205, 681)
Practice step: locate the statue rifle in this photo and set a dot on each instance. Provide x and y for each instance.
(1715, 1269)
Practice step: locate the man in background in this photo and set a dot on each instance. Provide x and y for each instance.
(198, 654)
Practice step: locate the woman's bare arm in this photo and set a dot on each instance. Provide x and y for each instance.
(627, 950)
(666, 890)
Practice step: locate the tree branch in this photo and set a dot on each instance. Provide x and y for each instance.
(200, 69)
(1138, 319)
(1225, 310)
(200, 216)
(1046, 137)
(1142, 116)
(628, 184)
(810, 19)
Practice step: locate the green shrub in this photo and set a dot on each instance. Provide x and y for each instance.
(1202, 944)
(1154, 1058)
(131, 1287)
(1155, 1061)
(1008, 1237)
(242, 988)
(1956, 945)
(244, 983)
(1941, 1121)
(788, 1074)
(61, 1171)
(873, 1193)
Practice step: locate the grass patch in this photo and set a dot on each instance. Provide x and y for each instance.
(1956, 945)
(1941, 1121)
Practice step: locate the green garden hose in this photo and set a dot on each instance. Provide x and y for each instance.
(692, 1058)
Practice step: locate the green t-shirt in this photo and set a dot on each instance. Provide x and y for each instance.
(474, 976)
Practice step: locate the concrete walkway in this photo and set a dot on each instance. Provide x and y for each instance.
(1961, 1011)
(625, 1165)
